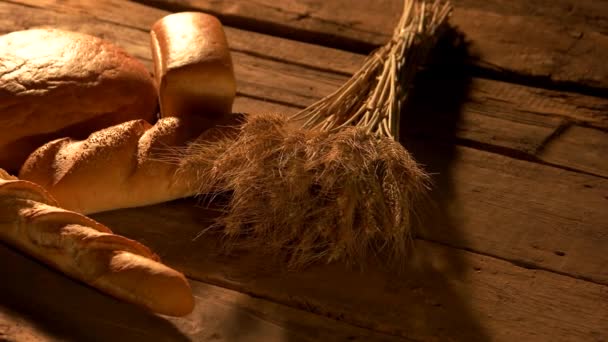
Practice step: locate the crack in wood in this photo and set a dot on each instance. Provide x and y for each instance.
(554, 136)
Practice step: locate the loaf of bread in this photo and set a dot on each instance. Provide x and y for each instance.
(121, 166)
(88, 251)
(117, 167)
(55, 83)
(192, 66)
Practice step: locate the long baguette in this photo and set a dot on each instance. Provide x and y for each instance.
(87, 250)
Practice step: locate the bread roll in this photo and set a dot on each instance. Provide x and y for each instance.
(192, 66)
(56, 83)
(88, 251)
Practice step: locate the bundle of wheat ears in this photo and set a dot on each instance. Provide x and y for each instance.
(338, 188)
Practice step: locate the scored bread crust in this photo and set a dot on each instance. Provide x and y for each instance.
(87, 250)
(56, 83)
(117, 167)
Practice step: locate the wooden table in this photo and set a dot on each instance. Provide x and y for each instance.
(512, 117)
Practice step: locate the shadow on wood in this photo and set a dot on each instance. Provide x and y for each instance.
(429, 123)
(65, 309)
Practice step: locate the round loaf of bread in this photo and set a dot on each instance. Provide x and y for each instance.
(56, 83)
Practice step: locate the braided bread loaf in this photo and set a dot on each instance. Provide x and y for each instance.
(87, 250)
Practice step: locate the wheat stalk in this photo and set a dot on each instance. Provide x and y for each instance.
(309, 195)
(372, 98)
(338, 189)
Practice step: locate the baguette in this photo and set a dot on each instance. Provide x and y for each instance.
(117, 167)
(87, 250)
(56, 83)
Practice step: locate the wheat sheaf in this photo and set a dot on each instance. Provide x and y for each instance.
(337, 188)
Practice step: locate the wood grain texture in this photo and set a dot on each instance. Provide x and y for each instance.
(537, 45)
(78, 313)
(531, 214)
(445, 293)
(583, 148)
(588, 14)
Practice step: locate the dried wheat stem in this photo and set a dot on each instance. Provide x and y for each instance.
(373, 96)
(325, 192)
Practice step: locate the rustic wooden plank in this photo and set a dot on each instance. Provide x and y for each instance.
(587, 109)
(488, 114)
(37, 304)
(245, 104)
(537, 46)
(580, 147)
(528, 213)
(589, 14)
(445, 293)
(514, 101)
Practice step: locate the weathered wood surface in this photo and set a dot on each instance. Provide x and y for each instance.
(71, 311)
(445, 294)
(581, 148)
(535, 235)
(555, 45)
(513, 119)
